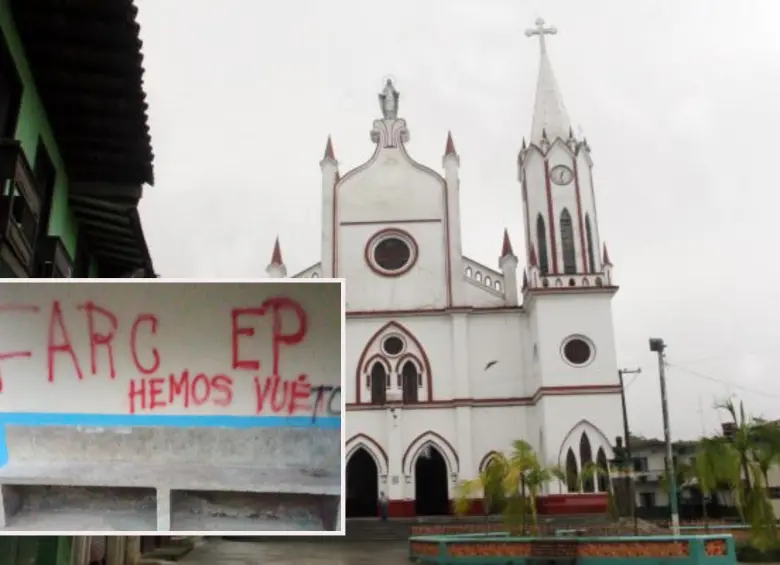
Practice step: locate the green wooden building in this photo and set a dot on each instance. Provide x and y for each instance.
(75, 154)
(75, 148)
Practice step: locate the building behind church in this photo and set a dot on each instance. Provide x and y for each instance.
(449, 360)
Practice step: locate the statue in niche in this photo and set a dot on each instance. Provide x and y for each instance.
(388, 101)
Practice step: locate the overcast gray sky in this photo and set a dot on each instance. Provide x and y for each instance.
(680, 102)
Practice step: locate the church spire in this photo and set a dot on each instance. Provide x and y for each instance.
(276, 268)
(506, 246)
(550, 120)
(329, 154)
(449, 148)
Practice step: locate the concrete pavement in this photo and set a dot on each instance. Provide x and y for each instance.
(327, 552)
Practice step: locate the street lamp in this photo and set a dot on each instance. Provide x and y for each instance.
(658, 346)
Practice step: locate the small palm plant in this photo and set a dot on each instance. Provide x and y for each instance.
(516, 480)
(488, 485)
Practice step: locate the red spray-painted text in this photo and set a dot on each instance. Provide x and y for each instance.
(149, 391)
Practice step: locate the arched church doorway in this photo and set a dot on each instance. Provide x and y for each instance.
(430, 483)
(362, 485)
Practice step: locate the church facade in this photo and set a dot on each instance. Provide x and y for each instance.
(450, 360)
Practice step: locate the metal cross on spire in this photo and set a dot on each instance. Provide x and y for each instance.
(541, 31)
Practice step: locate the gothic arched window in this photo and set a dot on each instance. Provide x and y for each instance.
(572, 473)
(411, 381)
(567, 244)
(603, 478)
(541, 239)
(589, 236)
(379, 381)
(586, 457)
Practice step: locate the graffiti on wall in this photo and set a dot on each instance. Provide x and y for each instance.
(246, 364)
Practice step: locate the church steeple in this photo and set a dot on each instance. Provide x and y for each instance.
(276, 268)
(550, 120)
(562, 233)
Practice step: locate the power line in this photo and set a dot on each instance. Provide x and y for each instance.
(730, 354)
(723, 382)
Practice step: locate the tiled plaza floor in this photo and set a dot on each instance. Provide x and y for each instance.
(217, 551)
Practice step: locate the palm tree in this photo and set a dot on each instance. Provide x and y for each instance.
(559, 473)
(592, 470)
(488, 484)
(742, 435)
(714, 463)
(516, 479)
(536, 478)
(521, 461)
(766, 445)
(755, 443)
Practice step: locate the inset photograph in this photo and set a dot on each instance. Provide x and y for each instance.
(153, 405)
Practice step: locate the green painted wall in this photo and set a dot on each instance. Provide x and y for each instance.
(35, 550)
(34, 125)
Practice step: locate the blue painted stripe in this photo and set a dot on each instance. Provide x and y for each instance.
(177, 421)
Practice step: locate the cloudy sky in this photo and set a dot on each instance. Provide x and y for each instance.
(680, 102)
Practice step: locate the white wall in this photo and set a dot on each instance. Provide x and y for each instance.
(392, 191)
(193, 333)
(478, 410)
(558, 316)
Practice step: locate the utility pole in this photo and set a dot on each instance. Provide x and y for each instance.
(658, 346)
(627, 440)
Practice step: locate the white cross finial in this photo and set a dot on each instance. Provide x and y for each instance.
(541, 31)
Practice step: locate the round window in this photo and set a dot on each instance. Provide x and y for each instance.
(577, 351)
(393, 345)
(391, 252)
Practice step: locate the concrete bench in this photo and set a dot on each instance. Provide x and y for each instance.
(154, 478)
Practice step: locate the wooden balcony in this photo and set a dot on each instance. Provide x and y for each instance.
(20, 203)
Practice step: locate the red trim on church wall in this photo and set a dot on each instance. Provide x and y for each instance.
(447, 227)
(437, 437)
(377, 357)
(368, 440)
(334, 236)
(570, 504)
(406, 508)
(548, 505)
(405, 331)
(484, 461)
(551, 217)
(401, 509)
(478, 309)
(579, 217)
(498, 401)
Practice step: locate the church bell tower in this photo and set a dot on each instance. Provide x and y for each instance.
(567, 282)
(564, 248)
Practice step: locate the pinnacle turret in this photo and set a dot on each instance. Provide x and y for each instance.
(276, 268)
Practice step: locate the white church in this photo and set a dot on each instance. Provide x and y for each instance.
(450, 360)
